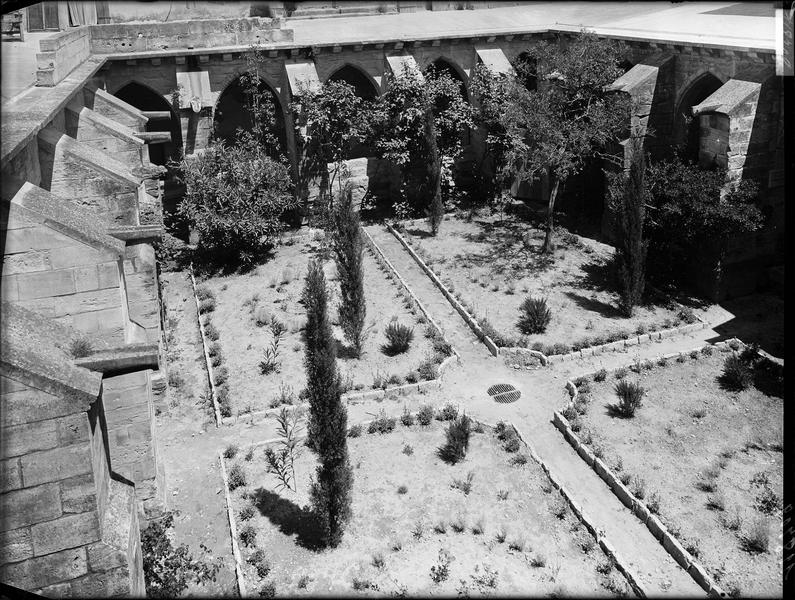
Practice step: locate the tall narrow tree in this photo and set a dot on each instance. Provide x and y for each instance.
(330, 491)
(435, 208)
(348, 249)
(629, 200)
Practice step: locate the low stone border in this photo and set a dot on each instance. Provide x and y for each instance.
(470, 320)
(601, 539)
(312, 235)
(380, 257)
(639, 508)
(241, 586)
(207, 362)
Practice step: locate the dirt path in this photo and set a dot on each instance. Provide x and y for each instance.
(455, 328)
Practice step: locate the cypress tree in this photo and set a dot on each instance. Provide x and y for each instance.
(434, 174)
(348, 250)
(330, 492)
(631, 250)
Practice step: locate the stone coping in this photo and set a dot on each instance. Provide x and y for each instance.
(144, 355)
(241, 586)
(207, 361)
(637, 506)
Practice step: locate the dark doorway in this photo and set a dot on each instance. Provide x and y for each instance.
(144, 98)
(687, 129)
(363, 86)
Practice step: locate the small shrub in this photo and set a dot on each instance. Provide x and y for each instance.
(457, 440)
(246, 513)
(621, 373)
(692, 547)
(249, 455)
(757, 540)
(587, 544)
(412, 377)
(699, 413)
(734, 521)
(303, 582)
(441, 570)
(407, 418)
(355, 431)
(395, 380)
(408, 450)
(717, 502)
(583, 385)
(465, 485)
(500, 535)
(662, 361)
(639, 488)
(203, 292)
(360, 584)
(458, 524)
(418, 530)
(425, 415)
(600, 375)
(569, 413)
(706, 350)
(448, 412)
(560, 507)
(586, 437)
(681, 358)
(606, 566)
(502, 495)
(268, 590)
(653, 503)
(402, 489)
(479, 526)
(231, 450)
(382, 424)
(768, 502)
(737, 374)
(625, 478)
(428, 369)
(248, 535)
(687, 315)
(378, 560)
(220, 375)
(694, 354)
(598, 451)
(518, 544)
(519, 460)
(630, 396)
(538, 560)
(206, 306)
(619, 464)
(80, 347)
(399, 338)
(512, 445)
(535, 315)
(237, 477)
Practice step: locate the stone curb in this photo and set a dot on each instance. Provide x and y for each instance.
(207, 362)
(457, 305)
(370, 242)
(241, 587)
(671, 545)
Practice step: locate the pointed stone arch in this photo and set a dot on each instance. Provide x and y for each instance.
(363, 83)
(685, 129)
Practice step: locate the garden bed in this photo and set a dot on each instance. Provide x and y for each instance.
(245, 304)
(397, 532)
(707, 460)
(491, 266)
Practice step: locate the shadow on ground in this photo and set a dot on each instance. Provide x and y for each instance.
(288, 517)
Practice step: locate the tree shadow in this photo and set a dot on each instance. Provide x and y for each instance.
(345, 351)
(615, 411)
(598, 275)
(420, 233)
(597, 306)
(289, 518)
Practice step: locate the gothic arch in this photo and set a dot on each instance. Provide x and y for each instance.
(365, 86)
(448, 65)
(685, 132)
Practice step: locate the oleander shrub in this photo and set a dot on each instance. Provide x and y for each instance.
(535, 315)
(630, 397)
(399, 338)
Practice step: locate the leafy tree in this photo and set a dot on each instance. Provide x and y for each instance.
(568, 118)
(167, 570)
(348, 249)
(330, 492)
(400, 131)
(628, 200)
(689, 207)
(330, 123)
(258, 103)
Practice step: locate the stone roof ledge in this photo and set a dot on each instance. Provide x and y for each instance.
(143, 355)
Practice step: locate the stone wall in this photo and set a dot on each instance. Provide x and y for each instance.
(58, 502)
(61, 54)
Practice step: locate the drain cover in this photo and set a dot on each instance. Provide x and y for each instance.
(504, 393)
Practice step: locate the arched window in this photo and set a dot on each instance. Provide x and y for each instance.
(145, 98)
(687, 130)
(441, 65)
(362, 84)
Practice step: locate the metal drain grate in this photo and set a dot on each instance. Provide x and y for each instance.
(504, 393)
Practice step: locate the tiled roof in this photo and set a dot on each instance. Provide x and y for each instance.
(39, 347)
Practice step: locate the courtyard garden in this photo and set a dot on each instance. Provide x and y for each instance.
(493, 264)
(702, 445)
(259, 319)
(489, 524)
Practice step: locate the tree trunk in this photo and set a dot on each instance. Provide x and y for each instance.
(549, 245)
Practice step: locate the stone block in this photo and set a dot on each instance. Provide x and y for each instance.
(103, 585)
(9, 288)
(26, 262)
(56, 590)
(46, 570)
(78, 494)
(33, 238)
(73, 429)
(29, 505)
(586, 454)
(103, 557)
(10, 475)
(86, 279)
(75, 256)
(15, 545)
(8, 385)
(22, 439)
(46, 284)
(29, 405)
(655, 527)
(674, 548)
(108, 275)
(68, 531)
(622, 492)
(641, 511)
(57, 464)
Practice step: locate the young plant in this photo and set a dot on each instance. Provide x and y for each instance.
(535, 315)
(630, 397)
(281, 462)
(399, 338)
(457, 443)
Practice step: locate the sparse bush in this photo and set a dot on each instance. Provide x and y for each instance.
(206, 306)
(448, 412)
(355, 430)
(757, 540)
(428, 369)
(248, 535)
(535, 315)
(630, 396)
(80, 347)
(407, 419)
(231, 450)
(621, 373)
(441, 570)
(653, 503)
(246, 513)
(465, 485)
(425, 415)
(519, 460)
(600, 375)
(382, 424)
(639, 488)
(737, 374)
(457, 440)
(399, 338)
(237, 477)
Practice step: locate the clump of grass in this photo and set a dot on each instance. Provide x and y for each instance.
(621, 373)
(757, 539)
(653, 503)
(500, 534)
(355, 430)
(80, 347)
(399, 338)
(737, 374)
(600, 375)
(732, 521)
(425, 415)
(630, 396)
(418, 530)
(639, 488)
(519, 460)
(248, 535)
(502, 495)
(381, 424)
(402, 489)
(457, 440)
(237, 477)
(465, 485)
(538, 561)
(408, 450)
(479, 526)
(517, 543)
(407, 418)
(231, 451)
(440, 526)
(458, 524)
(535, 315)
(378, 560)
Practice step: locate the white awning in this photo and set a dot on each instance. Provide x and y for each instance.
(404, 63)
(194, 89)
(302, 75)
(495, 61)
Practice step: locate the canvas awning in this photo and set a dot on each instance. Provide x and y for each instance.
(403, 63)
(194, 89)
(495, 61)
(302, 75)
